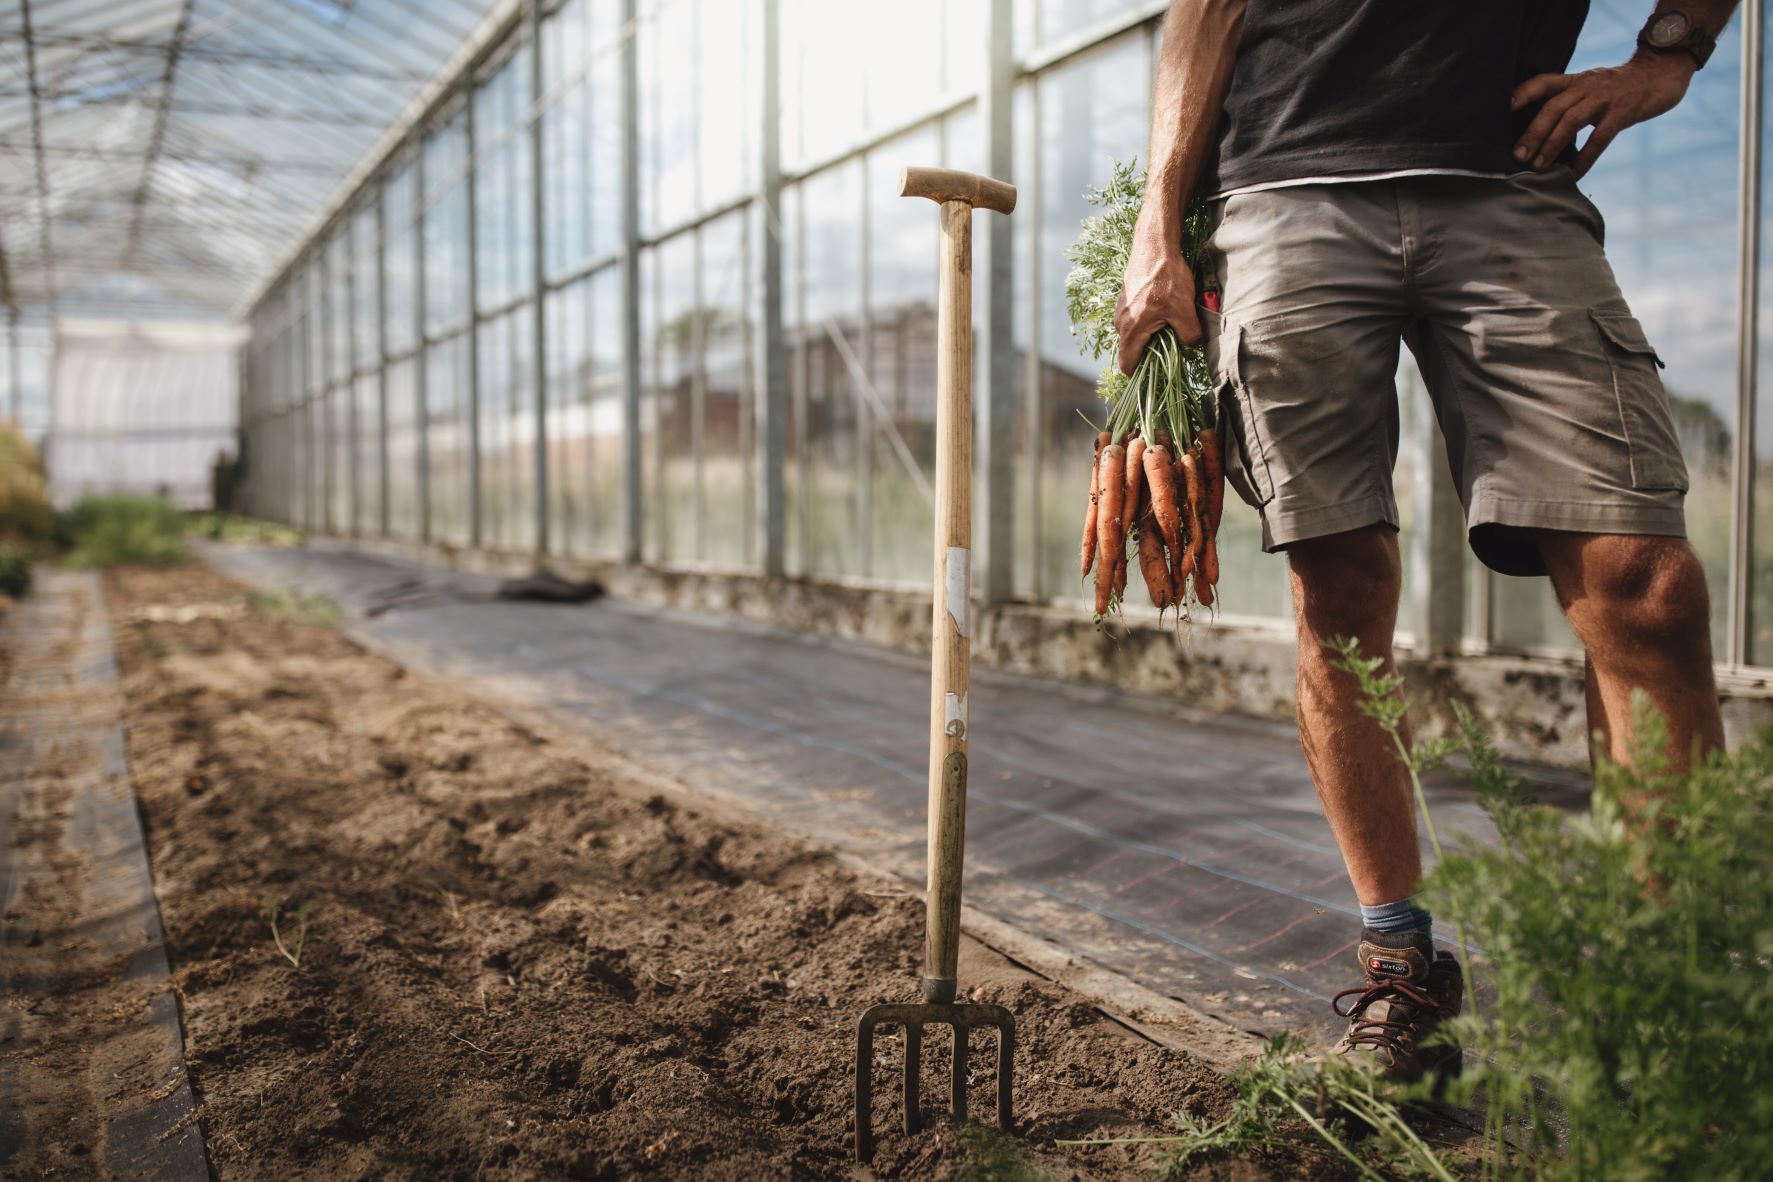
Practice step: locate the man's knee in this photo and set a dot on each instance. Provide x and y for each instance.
(1641, 591)
(1347, 583)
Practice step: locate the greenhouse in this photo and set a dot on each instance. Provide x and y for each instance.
(531, 556)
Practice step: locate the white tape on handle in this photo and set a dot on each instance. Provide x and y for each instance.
(957, 585)
(954, 716)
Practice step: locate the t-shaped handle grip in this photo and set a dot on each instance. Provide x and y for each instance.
(951, 184)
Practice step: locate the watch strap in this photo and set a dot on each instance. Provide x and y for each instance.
(1698, 44)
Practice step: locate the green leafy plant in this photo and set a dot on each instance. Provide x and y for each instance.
(298, 927)
(1628, 957)
(992, 1156)
(122, 530)
(26, 520)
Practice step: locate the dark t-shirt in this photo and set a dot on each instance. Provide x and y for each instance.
(1327, 88)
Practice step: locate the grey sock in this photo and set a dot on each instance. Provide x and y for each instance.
(1399, 918)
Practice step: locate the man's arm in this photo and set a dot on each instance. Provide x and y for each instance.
(1199, 50)
(1612, 98)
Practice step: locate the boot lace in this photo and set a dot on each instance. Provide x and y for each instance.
(1380, 1032)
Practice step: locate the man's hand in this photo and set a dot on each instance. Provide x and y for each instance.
(1609, 99)
(1158, 290)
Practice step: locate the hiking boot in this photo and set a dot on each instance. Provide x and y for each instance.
(1410, 991)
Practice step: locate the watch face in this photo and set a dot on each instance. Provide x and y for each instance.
(1668, 29)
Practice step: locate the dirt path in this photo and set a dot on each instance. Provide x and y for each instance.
(515, 967)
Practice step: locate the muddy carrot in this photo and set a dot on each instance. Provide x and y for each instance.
(1213, 463)
(1089, 529)
(1194, 500)
(1184, 557)
(1160, 477)
(1135, 505)
(1110, 532)
(1152, 564)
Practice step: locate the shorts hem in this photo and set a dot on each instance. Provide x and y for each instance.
(1490, 523)
(1578, 517)
(1283, 527)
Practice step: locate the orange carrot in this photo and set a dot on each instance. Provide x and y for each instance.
(1152, 564)
(1213, 463)
(1184, 558)
(1135, 507)
(1194, 501)
(1111, 534)
(1160, 476)
(1089, 530)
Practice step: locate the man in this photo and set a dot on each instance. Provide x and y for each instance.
(1395, 170)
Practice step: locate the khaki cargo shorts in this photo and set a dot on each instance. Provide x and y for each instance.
(1545, 389)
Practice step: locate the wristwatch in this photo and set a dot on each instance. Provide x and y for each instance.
(1671, 30)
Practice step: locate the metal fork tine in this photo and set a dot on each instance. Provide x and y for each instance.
(913, 1073)
(959, 1086)
(1006, 1061)
(864, 1088)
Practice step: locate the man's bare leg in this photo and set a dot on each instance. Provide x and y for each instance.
(1348, 585)
(1641, 609)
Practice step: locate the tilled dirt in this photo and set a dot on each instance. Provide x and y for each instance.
(517, 967)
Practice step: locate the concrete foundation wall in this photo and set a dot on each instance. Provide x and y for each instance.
(1531, 705)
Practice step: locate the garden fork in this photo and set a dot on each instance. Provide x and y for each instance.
(958, 194)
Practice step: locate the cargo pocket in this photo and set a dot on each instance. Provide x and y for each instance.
(1246, 463)
(1656, 460)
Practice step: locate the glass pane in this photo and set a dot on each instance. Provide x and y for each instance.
(1057, 19)
(403, 451)
(676, 347)
(400, 263)
(566, 136)
(338, 271)
(604, 418)
(726, 427)
(501, 178)
(828, 329)
(900, 401)
(365, 252)
(1092, 112)
(604, 124)
(369, 455)
(446, 429)
(726, 81)
(339, 447)
(1668, 191)
(446, 228)
(668, 42)
(821, 90)
(568, 386)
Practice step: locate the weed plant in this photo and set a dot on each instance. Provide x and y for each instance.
(286, 603)
(122, 530)
(27, 523)
(298, 927)
(251, 531)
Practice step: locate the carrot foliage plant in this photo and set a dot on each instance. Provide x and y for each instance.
(1623, 1024)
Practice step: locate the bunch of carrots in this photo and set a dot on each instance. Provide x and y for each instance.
(1168, 499)
(1157, 486)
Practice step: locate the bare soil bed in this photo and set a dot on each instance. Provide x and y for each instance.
(516, 967)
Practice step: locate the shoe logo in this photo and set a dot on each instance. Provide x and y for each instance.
(1391, 968)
